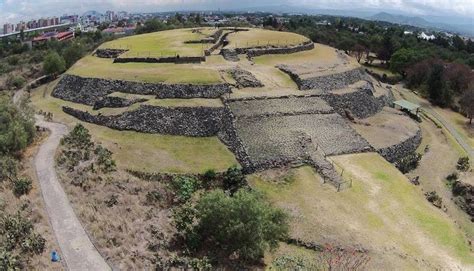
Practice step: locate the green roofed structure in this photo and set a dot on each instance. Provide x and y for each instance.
(407, 106)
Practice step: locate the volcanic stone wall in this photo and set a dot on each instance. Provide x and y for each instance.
(361, 102)
(109, 53)
(185, 121)
(91, 90)
(402, 149)
(254, 52)
(174, 59)
(116, 102)
(326, 82)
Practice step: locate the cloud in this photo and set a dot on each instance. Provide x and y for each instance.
(15, 10)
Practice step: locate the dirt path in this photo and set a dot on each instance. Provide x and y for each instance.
(77, 250)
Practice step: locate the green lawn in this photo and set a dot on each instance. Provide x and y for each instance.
(95, 67)
(381, 208)
(162, 44)
(145, 152)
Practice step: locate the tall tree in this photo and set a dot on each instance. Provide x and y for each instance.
(54, 64)
(437, 87)
(359, 51)
(467, 102)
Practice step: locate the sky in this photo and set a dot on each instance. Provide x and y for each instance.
(15, 10)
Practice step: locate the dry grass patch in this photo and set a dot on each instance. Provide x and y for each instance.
(262, 37)
(322, 54)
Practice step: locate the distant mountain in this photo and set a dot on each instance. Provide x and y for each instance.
(400, 19)
(463, 28)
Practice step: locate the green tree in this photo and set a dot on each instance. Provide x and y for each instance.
(437, 88)
(467, 103)
(16, 127)
(402, 59)
(53, 64)
(72, 54)
(243, 224)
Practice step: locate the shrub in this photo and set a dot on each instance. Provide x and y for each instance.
(9, 261)
(8, 168)
(434, 198)
(17, 128)
(21, 186)
(234, 179)
(112, 201)
(409, 162)
(13, 60)
(210, 175)
(463, 164)
(153, 196)
(222, 225)
(16, 82)
(184, 187)
(54, 64)
(16, 233)
(104, 159)
(79, 137)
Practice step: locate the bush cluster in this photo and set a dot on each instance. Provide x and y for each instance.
(409, 162)
(463, 164)
(18, 241)
(223, 225)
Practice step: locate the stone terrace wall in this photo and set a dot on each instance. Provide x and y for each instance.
(109, 53)
(116, 102)
(228, 136)
(402, 149)
(90, 90)
(175, 60)
(184, 121)
(326, 82)
(361, 103)
(254, 52)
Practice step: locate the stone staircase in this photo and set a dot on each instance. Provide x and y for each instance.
(317, 158)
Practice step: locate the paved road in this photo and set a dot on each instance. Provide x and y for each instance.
(77, 249)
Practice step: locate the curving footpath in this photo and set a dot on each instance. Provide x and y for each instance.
(77, 249)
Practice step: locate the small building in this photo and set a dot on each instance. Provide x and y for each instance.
(407, 106)
(59, 36)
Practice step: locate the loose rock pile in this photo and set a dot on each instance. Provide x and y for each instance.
(245, 79)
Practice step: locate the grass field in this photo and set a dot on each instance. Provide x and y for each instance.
(261, 37)
(321, 54)
(145, 152)
(95, 67)
(162, 44)
(382, 212)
